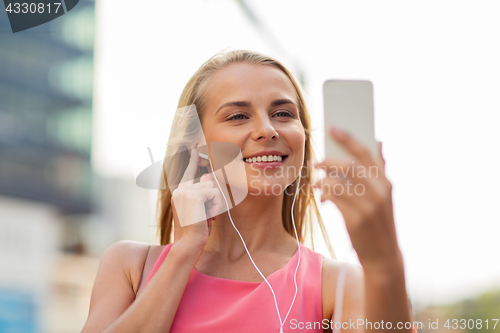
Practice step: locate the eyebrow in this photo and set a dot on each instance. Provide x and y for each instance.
(247, 104)
(281, 102)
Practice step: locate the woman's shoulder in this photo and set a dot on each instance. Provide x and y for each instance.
(331, 268)
(128, 256)
(127, 250)
(352, 279)
(129, 244)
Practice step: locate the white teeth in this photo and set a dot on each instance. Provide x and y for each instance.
(268, 158)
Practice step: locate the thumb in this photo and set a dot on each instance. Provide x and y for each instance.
(217, 203)
(380, 155)
(205, 177)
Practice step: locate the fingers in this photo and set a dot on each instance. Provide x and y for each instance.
(355, 148)
(217, 204)
(214, 198)
(358, 181)
(205, 177)
(341, 190)
(190, 173)
(381, 156)
(211, 194)
(202, 185)
(352, 171)
(349, 208)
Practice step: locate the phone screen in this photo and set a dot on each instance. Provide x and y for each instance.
(349, 106)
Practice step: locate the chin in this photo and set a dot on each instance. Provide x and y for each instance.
(267, 186)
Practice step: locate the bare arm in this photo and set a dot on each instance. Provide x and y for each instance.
(374, 297)
(369, 219)
(112, 306)
(386, 296)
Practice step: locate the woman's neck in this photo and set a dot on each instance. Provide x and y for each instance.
(259, 221)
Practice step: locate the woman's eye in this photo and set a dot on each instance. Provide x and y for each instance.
(238, 116)
(284, 113)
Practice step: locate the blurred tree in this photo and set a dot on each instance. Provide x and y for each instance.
(485, 307)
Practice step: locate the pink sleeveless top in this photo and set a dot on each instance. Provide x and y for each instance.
(214, 305)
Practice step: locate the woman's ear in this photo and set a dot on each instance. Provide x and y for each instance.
(203, 161)
(191, 146)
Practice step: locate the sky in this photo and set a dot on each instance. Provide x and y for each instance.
(434, 67)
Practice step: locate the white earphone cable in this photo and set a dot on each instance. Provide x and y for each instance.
(251, 259)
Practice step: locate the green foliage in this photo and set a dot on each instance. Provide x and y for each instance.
(471, 315)
(485, 307)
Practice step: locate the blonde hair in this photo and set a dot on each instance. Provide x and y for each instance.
(194, 92)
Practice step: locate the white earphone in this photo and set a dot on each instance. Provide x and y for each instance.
(342, 272)
(282, 322)
(203, 156)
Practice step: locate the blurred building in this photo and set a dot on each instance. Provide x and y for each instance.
(56, 216)
(46, 83)
(46, 110)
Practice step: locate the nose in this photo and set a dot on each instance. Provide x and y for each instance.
(264, 130)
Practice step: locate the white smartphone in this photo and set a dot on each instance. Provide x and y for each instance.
(349, 106)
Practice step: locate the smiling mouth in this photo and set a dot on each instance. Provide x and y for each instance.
(266, 159)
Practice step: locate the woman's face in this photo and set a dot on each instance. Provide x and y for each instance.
(255, 107)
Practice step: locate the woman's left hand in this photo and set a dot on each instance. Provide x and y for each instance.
(361, 191)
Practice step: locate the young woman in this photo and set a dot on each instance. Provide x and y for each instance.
(205, 281)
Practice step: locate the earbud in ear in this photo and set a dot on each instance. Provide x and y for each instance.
(203, 155)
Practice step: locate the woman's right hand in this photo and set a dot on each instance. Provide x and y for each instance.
(188, 201)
